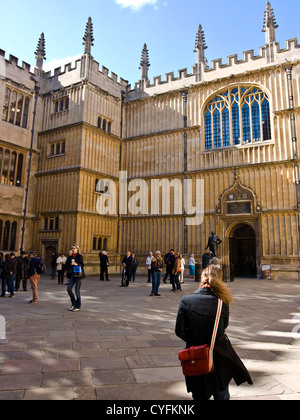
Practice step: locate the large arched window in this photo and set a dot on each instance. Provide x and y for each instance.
(239, 115)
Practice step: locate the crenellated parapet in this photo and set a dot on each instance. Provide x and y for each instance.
(268, 56)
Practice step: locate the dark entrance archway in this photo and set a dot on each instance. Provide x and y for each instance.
(242, 242)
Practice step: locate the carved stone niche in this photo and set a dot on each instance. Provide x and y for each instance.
(238, 200)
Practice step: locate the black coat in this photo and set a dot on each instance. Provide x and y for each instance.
(69, 267)
(194, 325)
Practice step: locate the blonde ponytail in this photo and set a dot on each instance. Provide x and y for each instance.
(212, 277)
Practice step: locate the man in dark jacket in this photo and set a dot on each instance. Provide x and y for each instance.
(104, 262)
(127, 265)
(22, 271)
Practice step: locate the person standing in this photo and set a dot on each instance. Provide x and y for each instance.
(76, 268)
(182, 266)
(1, 269)
(194, 325)
(127, 262)
(191, 265)
(53, 265)
(8, 275)
(34, 277)
(177, 273)
(157, 265)
(104, 262)
(60, 266)
(148, 264)
(134, 266)
(22, 271)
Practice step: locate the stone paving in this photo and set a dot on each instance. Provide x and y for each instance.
(122, 346)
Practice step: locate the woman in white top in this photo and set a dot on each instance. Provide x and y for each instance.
(61, 261)
(182, 263)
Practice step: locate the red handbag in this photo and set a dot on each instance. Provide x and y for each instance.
(198, 360)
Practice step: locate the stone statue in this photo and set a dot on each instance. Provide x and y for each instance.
(213, 242)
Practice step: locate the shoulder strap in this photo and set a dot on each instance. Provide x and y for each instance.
(214, 335)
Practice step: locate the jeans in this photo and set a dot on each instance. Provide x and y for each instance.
(77, 282)
(10, 284)
(155, 281)
(218, 396)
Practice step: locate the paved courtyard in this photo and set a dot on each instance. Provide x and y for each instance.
(122, 346)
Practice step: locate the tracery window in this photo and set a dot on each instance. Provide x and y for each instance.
(11, 167)
(15, 108)
(8, 235)
(237, 116)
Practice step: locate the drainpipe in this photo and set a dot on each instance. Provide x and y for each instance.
(289, 71)
(36, 89)
(123, 97)
(185, 94)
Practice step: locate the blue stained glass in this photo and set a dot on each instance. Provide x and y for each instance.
(256, 122)
(236, 124)
(246, 124)
(265, 110)
(226, 128)
(217, 129)
(208, 131)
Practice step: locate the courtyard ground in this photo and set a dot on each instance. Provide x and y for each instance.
(122, 345)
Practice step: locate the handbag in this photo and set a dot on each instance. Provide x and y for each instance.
(77, 271)
(198, 360)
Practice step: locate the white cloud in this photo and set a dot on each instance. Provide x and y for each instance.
(136, 4)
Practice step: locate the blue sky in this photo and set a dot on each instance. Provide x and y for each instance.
(121, 27)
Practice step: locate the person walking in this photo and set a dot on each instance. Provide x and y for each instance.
(75, 266)
(157, 265)
(194, 325)
(34, 276)
(54, 257)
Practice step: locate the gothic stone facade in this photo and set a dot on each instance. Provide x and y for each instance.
(100, 147)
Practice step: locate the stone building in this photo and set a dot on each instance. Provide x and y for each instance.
(157, 166)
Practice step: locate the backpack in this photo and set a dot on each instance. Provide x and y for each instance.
(40, 266)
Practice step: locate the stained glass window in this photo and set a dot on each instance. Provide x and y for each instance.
(240, 115)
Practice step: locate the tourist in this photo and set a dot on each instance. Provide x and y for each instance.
(169, 262)
(126, 275)
(60, 266)
(22, 271)
(177, 273)
(8, 275)
(134, 266)
(191, 264)
(34, 276)
(104, 262)
(206, 258)
(182, 266)
(75, 266)
(195, 327)
(148, 264)
(157, 265)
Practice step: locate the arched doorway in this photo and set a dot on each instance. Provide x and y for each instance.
(242, 242)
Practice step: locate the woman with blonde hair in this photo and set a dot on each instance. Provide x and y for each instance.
(75, 266)
(194, 325)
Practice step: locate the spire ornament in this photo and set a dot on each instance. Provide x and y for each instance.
(40, 52)
(88, 37)
(200, 46)
(145, 63)
(270, 24)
